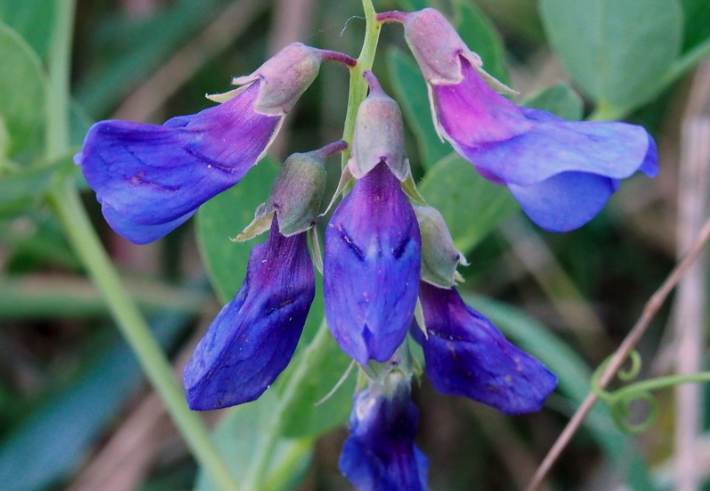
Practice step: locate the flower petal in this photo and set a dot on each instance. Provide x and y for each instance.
(254, 336)
(137, 232)
(371, 267)
(566, 201)
(379, 454)
(524, 146)
(153, 174)
(467, 356)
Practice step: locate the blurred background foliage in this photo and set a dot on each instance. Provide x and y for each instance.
(75, 411)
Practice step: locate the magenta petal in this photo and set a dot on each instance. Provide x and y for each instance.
(467, 356)
(155, 174)
(371, 267)
(254, 336)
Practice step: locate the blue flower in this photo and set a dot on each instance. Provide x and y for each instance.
(371, 267)
(380, 454)
(253, 338)
(562, 173)
(467, 356)
(150, 178)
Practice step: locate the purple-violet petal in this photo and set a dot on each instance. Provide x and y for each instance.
(371, 267)
(154, 174)
(254, 336)
(565, 201)
(467, 356)
(523, 146)
(380, 454)
(137, 232)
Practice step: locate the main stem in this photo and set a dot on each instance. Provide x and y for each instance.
(358, 85)
(64, 200)
(313, 356)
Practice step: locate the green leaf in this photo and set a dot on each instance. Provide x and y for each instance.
(560, 100)
(22, 91)
(307, 419)
(411, 93)
(32, 19)
(573, 380)
(616, 51)
(471, 206)
(222, 218)
(481, 36)
(26, 188)
(412, 5)
(697, 22)
(241, 433)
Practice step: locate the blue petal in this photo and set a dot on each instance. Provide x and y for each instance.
(254, 336)
(371, 267)
(379, 454)
(467, 356)
(566, 201)
(154, 174)
(524, 146)
(136, 232)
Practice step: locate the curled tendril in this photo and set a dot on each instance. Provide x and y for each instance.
(627, 374)
(621, 410)
(620, 400)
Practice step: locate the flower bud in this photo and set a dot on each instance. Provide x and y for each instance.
(379, 134)
(439, 255)
(295, 195)
(284, 77)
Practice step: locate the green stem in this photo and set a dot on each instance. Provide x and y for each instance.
(59, 63)
(308, 364)
(656, 384)
(64, 200)
(358, 85)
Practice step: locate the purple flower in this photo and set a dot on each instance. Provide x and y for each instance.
(371, 267)
(372, 243)
(254, 336)
(380, 454)
(151, 178)
(562, 173)
(467, 356)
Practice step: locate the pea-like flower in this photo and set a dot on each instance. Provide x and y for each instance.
(150, 178)
(254, 336)
(467, 356)
(561, 172)
(372, 243)
(380, 454)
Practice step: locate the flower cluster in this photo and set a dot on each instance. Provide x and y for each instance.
(385, 249)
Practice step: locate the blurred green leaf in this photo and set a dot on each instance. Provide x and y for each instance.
(138, 48)
(617, 52)
(222, 218)
(481, 36)
(573, 380)
(23, 190)
(560, 100)
(411, 92)
(239, 436)
(31, 19)
(308, 420)
(50, 443)
(697, 22)
(22, 92)
(412, 5)
(471, 206)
